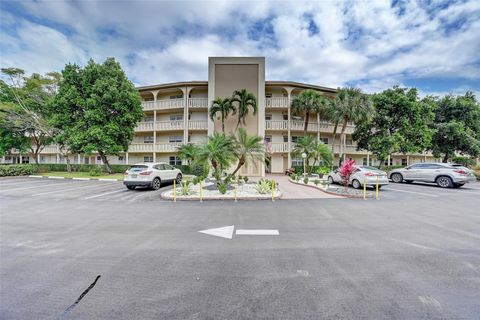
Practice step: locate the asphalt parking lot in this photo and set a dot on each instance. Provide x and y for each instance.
(414, 254)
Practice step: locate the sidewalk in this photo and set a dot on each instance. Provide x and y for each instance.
(294, 191)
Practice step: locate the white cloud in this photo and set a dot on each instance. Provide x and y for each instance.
(365, 42)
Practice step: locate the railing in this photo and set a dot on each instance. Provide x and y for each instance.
(144, 126)
(197, 124)
(198, 102)
(140, 147)
(276, 102)
(276, 124)
(163, 104)
(50, 149)
(349, 148)
(167, 147)
(277, 147)
(170, 125)
(300, 125)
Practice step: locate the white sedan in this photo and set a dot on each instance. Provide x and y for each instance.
(359, 175)
(150, 174)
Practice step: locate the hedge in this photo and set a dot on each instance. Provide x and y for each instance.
(116, 168)
(17, 170)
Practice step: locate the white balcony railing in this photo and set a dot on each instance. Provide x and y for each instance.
(197, 125)
(148, 105)
(144, 126)
(198, 102)
(276, 124)
(163, 104)
(167, 147)
(170, 125)
(280, 102)
(140, 147)
(276, 147)
(50, 149)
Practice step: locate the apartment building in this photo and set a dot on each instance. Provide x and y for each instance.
(177, 113)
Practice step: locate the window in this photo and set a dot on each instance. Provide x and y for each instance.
(174, 161)
(297, 162)
(268, 95)
(268, 117)
(159, 167)
(148, 119)
(268, 139)
(285, 138)
(285, 116)
(120, 158)
(25, 159)
(8, 158)
(42, 158)
(365, 162)
(148, 159)
(324, 140)
(175, 139)
(176, 117)
(177, 96)
(404, 162)
(99, 158)
(148, 139)
(294, 139)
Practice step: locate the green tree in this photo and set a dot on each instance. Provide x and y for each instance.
(9, 139)
(307, 102)
(246, 100)
(314, 150)
(24, 108)
(400, 123)
(97, 109)
(247, 149)
(225, 107)
(188, 152)
(219, 152)
(457, 125)
(349, 105)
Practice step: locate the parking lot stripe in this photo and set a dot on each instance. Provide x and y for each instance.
(16, 183)
(32, 187)
(80, 186)
(414, 192)
(104, 194)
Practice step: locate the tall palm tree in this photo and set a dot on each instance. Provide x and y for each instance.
(219, 152)
(306, 102)
(188, 152)
(245, 100)
(321, 151)
(305, 145)
(248, 148)
(349, 105)
(225, 107)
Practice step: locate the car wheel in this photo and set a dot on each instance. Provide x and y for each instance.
(131, 187)
(179, 178)
(330, 180)
(156, 184)
(444, 182)
(396, 177)
(356, 184)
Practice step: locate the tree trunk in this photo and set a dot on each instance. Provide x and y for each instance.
(105, 162)
(445, 158)
(307, 117)
(343, 142)
(69, 167)
(240, 164)
(34, 153)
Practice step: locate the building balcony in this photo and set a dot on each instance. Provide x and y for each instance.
(49, 149)
(144, 126)
(166, 147)
(197, 125)
(277, 147)
(140, 147)
(198, 102)
(151, 148)
(163, 104)
(276, 125)
(280, 102)
(169, 125)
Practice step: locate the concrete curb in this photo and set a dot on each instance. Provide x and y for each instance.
(165, 197)
(332, 193)
(82, 179)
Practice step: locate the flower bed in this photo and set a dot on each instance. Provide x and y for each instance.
(245, 191)
(337, 190)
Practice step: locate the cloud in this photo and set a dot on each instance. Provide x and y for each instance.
(372, 44)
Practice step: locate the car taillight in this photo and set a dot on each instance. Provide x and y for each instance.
(460, 171)
(145, 173)
(369, 174)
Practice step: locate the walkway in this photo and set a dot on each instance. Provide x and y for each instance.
(294, 191)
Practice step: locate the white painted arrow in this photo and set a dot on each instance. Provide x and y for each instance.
(227, 232)
(223, 232)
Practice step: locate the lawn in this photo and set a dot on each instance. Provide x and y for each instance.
(82, 175)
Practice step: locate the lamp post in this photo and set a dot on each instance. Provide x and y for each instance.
(304, 156)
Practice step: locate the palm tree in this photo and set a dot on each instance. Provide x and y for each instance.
(349, 105)
(248, 148)
(219, 152)
(306, 102)
(188, 152)
(246, 100)
(225, 107)
(321, 152)
(305, 145)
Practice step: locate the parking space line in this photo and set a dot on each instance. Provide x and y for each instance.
(37, 182)
(414, 192)
(104, 194)
(80, 186)
(36, 186)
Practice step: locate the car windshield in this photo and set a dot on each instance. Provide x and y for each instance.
(138, 168)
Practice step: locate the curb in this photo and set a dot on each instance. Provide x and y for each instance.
(164, 197)
(82, 179)
(332, 193)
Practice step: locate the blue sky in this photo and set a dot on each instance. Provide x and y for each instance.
(432, 45)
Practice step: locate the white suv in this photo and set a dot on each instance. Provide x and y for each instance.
(150, 174)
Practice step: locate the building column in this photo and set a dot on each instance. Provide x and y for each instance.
(58, 158)
(408, 160)
(78, 158)
(289, 145)
(126, 158)
(186, 93)
(388, 160)
(368, 158)
(318, 126)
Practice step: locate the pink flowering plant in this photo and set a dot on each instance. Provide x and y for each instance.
(346, 170)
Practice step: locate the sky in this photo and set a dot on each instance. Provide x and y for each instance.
(373, 45)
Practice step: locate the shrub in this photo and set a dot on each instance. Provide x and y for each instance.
(465, 161)
(263, 186)
(185, 188)
(17, 170)
(317, 182)
(95, 172)
(322, 170)
(46, 167)
(305, 180)
(245, 178)
(222, 187)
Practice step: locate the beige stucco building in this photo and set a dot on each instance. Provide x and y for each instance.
(177, 113)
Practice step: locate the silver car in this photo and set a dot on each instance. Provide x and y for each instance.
(150, 175)
(445, 175)
(359, 175)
